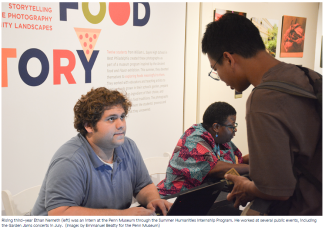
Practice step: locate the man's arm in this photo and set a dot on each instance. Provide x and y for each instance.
(78, 211)
(220, 169)
(246, 159)
(149, 197)
(245, 191)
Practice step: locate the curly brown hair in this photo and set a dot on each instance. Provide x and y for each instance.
(90, 107)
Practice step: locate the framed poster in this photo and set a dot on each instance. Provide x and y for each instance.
(219, 12)
(293, 36)
(269, 32)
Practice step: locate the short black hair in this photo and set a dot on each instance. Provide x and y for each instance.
(217, 112)
(232, 33)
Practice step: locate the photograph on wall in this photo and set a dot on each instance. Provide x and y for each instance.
(219, 12)
(217, 15)
(293, 36)
(269, 32)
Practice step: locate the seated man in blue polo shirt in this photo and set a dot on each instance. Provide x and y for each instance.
(98, 171)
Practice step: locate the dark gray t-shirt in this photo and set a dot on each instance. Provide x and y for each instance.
(77, 177)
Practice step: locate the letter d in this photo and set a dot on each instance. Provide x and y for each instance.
(136, 20)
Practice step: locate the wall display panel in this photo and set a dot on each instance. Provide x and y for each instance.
(269, 32)
(52, 53)
(293, 36)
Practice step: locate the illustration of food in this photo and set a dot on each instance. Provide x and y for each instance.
(88, 39)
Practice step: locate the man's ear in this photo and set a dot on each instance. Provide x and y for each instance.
(88, 128)
(229, 58)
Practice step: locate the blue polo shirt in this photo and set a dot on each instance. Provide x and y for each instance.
(77, 177)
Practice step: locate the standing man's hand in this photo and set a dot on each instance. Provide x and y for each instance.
(162, 204)
(241, 191)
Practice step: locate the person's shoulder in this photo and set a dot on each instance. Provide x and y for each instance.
(289, 73)
(195, 130)
(261, 99)
(70, 150)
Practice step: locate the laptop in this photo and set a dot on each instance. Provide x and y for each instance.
(196, 201)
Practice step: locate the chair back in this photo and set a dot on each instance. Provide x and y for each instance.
(156, 165)
(21, 203)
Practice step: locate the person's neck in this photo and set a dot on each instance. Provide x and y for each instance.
(213, 134)
(106, 154)
(257, 66)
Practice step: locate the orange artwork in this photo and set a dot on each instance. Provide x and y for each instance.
(293, 36)
(219, 12)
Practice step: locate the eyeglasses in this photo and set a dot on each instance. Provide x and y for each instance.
(214, 74)
(230, 126)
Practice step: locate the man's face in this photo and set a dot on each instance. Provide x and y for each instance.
(110, 129)
(226, 133)
(230, 74)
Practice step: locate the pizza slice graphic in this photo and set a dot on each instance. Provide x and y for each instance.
(88, 39)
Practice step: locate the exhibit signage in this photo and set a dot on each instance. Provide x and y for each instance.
(52, 53)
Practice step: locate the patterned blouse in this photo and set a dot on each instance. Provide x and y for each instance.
(194, 156)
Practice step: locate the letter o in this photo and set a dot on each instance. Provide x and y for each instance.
(91, 18)
(119, 12)
(22, 67)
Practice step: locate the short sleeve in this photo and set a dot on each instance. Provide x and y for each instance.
(194, 162)
(65, 185)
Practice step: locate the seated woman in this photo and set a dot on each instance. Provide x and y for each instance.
(205, 152)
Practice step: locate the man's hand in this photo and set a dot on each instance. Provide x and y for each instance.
(241, 190)
(149, 196)
(245, 191)
(138, 211)
(163, 205)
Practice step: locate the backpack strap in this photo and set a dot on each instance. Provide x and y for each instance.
(286, 87)
(306, 71)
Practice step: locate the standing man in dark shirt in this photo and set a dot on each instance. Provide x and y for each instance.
(280, 127)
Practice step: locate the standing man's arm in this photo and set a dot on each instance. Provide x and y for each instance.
(149, 197)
